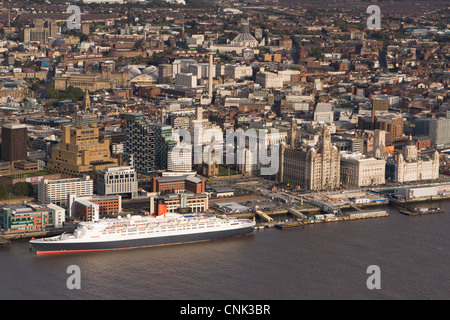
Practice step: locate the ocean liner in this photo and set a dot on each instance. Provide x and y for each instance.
(143, 231)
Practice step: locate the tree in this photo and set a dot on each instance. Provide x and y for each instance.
(50, 93)
(138, 59)
(4, 192)
(75, 94)
(35, 87)
(316, 52)
(23, 189)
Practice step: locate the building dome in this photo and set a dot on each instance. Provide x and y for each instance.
(133, 71)
(410, 141)
(144, 79)
(150, 69)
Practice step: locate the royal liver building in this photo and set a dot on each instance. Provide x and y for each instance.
(312, 168)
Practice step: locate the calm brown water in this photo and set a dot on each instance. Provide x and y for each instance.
(325, 261)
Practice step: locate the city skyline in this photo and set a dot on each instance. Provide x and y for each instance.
(129, 124)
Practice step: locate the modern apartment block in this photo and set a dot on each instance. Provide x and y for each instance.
(57, 191)
(139, 149)
(117, 180)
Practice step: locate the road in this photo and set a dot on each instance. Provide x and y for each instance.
(48, 81)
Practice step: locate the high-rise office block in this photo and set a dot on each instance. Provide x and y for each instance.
(422, 127)
(439, 131)
(165, 73)
(186, 80)
(139, 149)
(380, 104)
(80, 152)
(42, 31)
(163, 143)
(179, 158)
(117, 180)
(14, 142)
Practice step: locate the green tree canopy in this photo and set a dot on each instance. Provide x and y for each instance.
(23, 189)
(4, 194)
(35, 87)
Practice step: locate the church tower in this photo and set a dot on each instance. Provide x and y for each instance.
(87, 100)
(292, 134)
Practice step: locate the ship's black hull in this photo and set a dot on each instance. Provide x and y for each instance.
(42, 247)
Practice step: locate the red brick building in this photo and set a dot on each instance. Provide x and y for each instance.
(177, 184)
(89, 208)
(148, 91)
(423, 144)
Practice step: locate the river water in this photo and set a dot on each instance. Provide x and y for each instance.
(324, 261)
